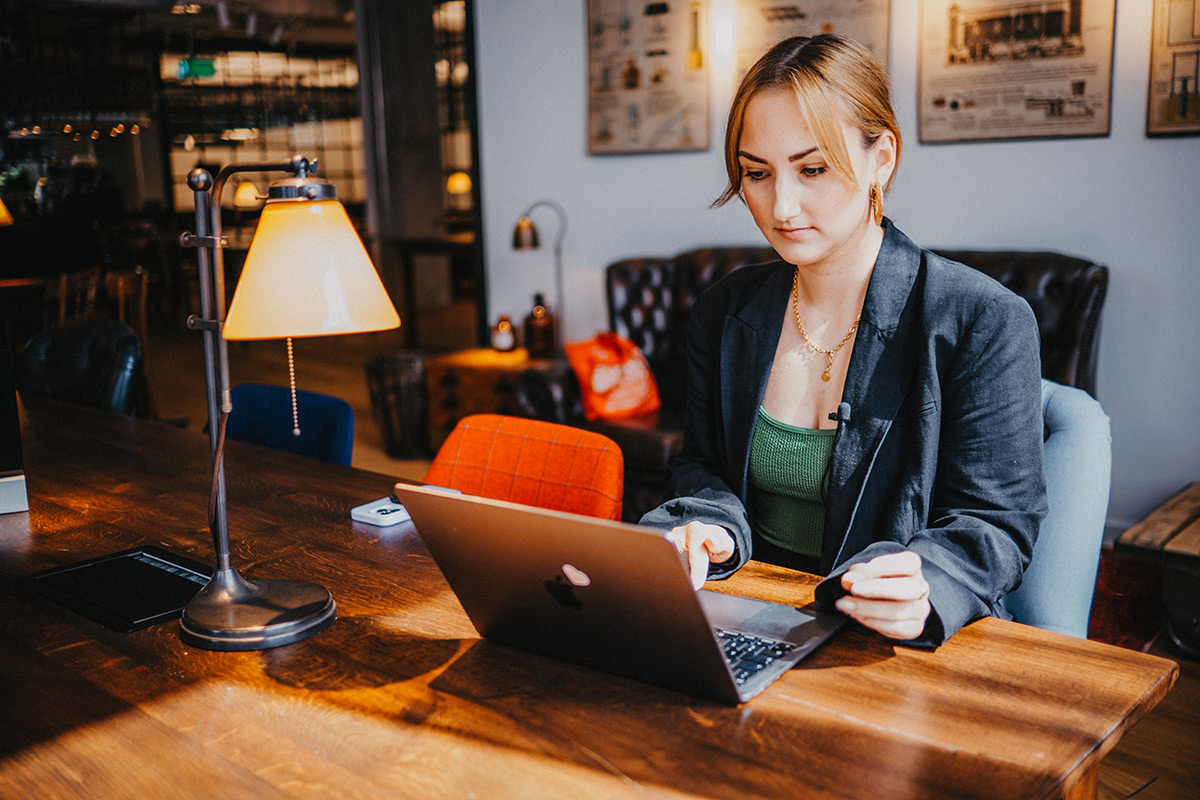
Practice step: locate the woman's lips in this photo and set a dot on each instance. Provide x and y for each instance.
(792, 233)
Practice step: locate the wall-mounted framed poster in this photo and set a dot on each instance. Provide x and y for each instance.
(764, 23)
(647, 76)
(1173, 104)
(1015, 69)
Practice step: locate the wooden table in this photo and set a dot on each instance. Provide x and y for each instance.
(1170, 534)
(401, 699)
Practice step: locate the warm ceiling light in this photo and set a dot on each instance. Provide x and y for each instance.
(246, 195)
(239, 134)
(458, 183)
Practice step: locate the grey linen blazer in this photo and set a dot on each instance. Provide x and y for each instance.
(939, 442)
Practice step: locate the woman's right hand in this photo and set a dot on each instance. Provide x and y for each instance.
(703, 543)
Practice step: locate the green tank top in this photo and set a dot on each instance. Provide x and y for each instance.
(787, 469)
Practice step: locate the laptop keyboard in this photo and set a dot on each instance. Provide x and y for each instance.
(748, 655)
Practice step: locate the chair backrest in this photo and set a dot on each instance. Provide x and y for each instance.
(95, 363)
(649, 300)
(127, 290)
(532, 462)
(262, 415)
(1056, 591)
(78, 293)
(1066, 295)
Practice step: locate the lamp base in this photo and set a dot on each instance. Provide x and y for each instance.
(231, 613)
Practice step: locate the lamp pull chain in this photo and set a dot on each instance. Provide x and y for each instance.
(292, 383)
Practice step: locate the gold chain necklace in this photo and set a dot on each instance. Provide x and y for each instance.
(829, 354)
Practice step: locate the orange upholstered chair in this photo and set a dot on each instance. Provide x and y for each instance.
(532, 462)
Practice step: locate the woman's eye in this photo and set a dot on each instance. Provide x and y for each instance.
(812, 172)
(754, 174)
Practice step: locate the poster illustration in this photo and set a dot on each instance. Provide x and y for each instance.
(647, 76)
(1174, 99)
(764, 23)
(1015, 69)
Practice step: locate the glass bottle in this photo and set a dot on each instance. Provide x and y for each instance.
(539, 330)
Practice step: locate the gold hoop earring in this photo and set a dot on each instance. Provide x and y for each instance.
(877, 204)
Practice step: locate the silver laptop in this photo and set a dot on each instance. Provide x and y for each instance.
(607, 595)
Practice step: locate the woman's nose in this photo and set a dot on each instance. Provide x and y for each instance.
(787, 199)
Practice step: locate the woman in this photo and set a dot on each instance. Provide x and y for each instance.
(863, 408)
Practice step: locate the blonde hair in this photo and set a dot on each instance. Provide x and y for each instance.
(835, 79)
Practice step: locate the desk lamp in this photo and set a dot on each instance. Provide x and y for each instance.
(525, 237)
(306, 274)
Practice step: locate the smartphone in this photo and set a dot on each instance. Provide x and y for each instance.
(384, 512)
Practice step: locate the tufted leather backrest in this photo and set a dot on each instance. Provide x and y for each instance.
(649, 300)
(1066, 295)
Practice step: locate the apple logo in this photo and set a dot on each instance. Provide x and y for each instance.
(562, 588)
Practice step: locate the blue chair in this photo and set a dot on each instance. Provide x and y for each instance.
(1056, 592)
(262, 415)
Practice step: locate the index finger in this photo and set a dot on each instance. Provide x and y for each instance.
(698, 566)
(891, 565)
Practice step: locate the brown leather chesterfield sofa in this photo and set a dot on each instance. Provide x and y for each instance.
(649, 300)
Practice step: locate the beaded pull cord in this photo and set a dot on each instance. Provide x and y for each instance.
(292, 383)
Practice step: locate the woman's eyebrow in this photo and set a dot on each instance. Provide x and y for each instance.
(791, 158)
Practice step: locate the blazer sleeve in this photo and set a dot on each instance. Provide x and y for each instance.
(989, 493)
(696, 486)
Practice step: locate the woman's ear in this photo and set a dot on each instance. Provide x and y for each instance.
(883, 158)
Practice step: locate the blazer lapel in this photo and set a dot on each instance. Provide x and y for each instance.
(877, 381)
(748, 343)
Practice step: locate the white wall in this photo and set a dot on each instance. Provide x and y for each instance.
(1125, 200)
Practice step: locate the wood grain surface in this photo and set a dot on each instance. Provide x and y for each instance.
(400, 698)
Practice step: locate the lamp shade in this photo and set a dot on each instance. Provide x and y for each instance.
(525, 235)
(307, 274)
(5, 217)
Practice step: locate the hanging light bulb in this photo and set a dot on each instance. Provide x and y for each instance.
(246, 195)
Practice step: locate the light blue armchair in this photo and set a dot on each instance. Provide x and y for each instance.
(1056, 593)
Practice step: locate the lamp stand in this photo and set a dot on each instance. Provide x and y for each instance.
(559, 309)
(231, 613)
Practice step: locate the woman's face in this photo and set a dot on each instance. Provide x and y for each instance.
(811, 215)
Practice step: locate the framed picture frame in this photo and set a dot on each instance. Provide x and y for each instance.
(1012, 69)
(648, 70)
(763, 23)
(1173, 102)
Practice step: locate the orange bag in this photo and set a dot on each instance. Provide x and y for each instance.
(614, 376)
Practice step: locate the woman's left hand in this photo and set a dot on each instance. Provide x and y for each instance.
(887, 594)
